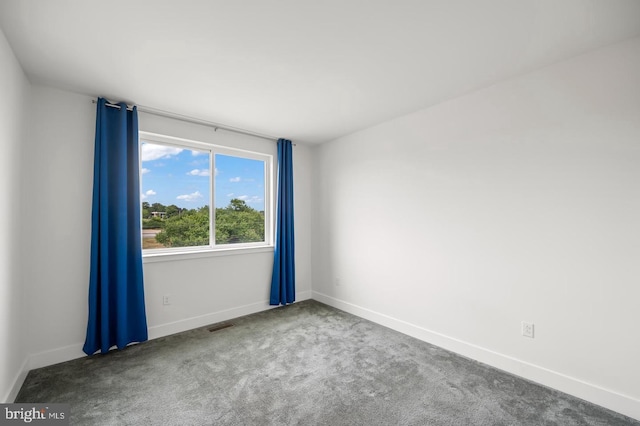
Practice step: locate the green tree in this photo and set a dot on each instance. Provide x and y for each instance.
(146, 212)
(238, 205)
(236, 223)
(152, 223)
(158, 207)
(239, 223)
(172, 210)
(191, 229)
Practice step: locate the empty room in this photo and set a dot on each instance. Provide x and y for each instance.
(320, 212)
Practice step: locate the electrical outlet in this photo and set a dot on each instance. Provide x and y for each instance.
(166, 300)
(527, 329)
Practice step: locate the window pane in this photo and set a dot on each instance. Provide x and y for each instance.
(175, 186)
(239, 189)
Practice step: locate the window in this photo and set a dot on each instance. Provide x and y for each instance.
(199, 196)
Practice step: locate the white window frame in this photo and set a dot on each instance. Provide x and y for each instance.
(213, 249)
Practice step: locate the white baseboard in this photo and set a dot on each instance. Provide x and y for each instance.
(17, 383)
(55, 356)
(67, 353)
(214, 317)
(304, 295)
(607, 398)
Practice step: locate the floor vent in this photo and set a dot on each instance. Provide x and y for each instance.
(219, 327)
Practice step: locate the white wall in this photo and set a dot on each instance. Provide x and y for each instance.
(57, 185)
(15, 90)
(60, 172)
(517, 202)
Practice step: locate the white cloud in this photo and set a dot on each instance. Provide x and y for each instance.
(196, 153)
(199, 172)
(248, 199)
(190, 197)
(235, 179)
(147, 194)
(150, 152)
(144, 171)
(230, 194)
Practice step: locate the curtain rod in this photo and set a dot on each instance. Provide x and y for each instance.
(194, 120)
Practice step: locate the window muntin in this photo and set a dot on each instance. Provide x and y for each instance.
(186, 206)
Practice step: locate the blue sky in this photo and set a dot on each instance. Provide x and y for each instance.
(174, 175)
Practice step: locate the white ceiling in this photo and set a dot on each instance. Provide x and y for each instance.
(307, 70)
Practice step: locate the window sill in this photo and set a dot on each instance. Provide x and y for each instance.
(197, 254)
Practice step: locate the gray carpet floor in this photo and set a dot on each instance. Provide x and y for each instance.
(304, 364)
